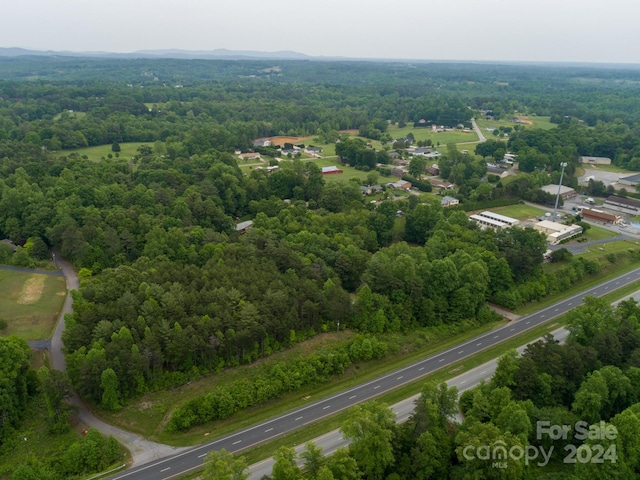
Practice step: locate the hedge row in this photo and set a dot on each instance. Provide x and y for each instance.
(226, 400)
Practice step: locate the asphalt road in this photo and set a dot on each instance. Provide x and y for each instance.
(191, 459)
(402, 410)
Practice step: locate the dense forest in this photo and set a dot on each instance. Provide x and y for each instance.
(171, 291)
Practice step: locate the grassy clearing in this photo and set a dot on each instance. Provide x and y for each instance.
(609, 168)
(30, 303)
(148, 415)
(537, 122)
(101, 152)
(68, 114)
(521, 212)
(597, 233)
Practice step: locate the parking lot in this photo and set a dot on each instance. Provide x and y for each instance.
(608, 178)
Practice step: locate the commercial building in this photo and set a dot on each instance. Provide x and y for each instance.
(595, 160)
(565, 192)
(600, 216)
(631, 180)
(556, 232)
(494, 220)
(623, 204)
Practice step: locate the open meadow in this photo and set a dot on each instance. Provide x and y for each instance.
(30, 303)
(100, 152)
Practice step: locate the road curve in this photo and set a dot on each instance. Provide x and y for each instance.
(236, 442)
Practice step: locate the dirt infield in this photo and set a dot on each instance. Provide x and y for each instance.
(282, 140)
(31, 290)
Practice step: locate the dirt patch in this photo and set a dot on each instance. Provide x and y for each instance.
(32, 290)
(524, 119)
(353, 131)
(281, 140)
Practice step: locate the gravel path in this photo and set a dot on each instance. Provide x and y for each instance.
(142, 450)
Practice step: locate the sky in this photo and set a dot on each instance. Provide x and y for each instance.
(600, 31)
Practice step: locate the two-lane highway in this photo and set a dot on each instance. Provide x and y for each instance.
(179, 464)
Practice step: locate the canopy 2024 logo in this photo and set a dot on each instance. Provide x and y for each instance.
(591, 452)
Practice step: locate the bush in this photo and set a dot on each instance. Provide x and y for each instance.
(226, 400)
(3, 324)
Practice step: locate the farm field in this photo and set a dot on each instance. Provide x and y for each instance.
(30, 303)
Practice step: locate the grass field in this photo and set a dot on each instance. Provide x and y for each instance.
(608, 168)
(537, 122)
(96, 154)
(597, 233)
(420, 133)
(30, 303)
(521, 212)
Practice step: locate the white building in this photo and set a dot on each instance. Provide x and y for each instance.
(556, 232)
(494, 220)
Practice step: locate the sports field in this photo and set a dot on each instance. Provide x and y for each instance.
(30, 303)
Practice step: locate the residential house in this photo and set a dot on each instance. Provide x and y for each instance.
(366, 190)
(494, 170)
(448, 201)
(313, 150)
(400, 185)
(242, 227)
(441, 184)
(331, 170)
(250, 156)
(420, 151)
(262, 142)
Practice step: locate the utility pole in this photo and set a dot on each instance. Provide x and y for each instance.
(555, 208)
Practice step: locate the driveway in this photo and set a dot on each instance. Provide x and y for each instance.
(142, 450)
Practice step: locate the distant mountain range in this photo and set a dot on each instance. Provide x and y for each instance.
(224, 54)
(219, 53)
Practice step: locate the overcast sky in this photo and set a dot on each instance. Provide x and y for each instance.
(542, 30)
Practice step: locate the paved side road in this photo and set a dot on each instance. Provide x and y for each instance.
(55, 273)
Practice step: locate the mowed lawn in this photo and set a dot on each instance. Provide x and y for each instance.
(536, 122)
(521, 212)
(30, 303)
(97, 153)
